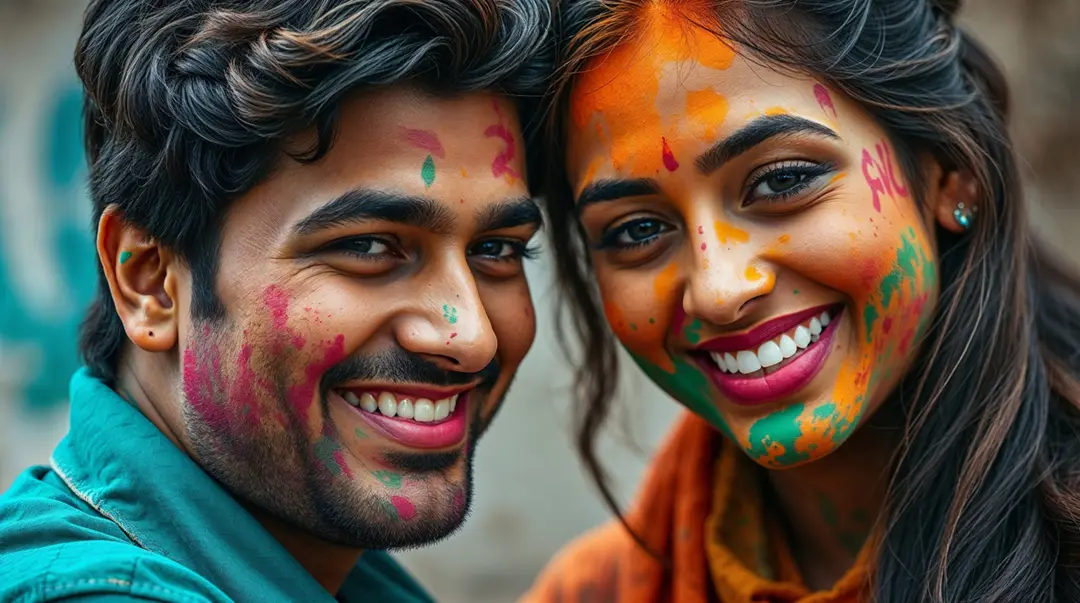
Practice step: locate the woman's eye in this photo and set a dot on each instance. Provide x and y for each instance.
(634, 233)
(784, 181)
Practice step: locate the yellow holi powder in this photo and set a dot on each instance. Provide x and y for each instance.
(707, 109)
(752, 273)
(776, 111)
(838, 177)
(464, 174)
(726, 232)
(784, 238)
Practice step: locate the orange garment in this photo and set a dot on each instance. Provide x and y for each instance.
(686, 497)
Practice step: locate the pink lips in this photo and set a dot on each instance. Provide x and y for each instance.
(788, 380)
(441, 434)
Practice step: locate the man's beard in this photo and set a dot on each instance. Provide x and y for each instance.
(277, 472)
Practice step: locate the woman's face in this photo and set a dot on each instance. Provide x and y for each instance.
(758, 250)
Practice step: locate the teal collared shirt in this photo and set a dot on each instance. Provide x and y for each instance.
(121, 514)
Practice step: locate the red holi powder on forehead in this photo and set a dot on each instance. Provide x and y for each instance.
(424, 139)
(404, 507)
(302, 396)
(824, 100)
(501, 164)
(669, 158)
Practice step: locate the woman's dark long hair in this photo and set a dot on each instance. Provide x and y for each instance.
(984, 500)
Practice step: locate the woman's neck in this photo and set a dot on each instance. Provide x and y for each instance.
(830, 505)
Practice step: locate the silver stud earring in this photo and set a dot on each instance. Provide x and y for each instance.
(964, 216)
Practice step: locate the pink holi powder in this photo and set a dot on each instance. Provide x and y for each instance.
(876, 187)
(242, 391)
(405, 509)
(340, 460)
(701, 230)
(678, 320)
(501, 164)
(670, 162)
(703, 246)
(424, 139)
(824, 100)
(277, 301)
(199, 391)
(302, 396)
(886, 325)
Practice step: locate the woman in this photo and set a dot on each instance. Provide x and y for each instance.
(803, 220)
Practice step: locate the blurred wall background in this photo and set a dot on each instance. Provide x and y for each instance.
(531, 496)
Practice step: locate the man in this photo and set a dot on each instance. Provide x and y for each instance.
(311, 223)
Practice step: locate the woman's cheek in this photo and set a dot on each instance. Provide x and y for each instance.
(640, 311)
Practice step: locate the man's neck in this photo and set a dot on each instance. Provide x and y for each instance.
(830, 505)
(328, 563)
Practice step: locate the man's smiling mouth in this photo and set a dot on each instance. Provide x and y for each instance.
(414, 417)
(402, 406)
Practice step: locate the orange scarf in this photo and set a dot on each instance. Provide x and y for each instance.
(686, 496)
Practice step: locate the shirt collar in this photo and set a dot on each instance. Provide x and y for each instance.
(117, 461)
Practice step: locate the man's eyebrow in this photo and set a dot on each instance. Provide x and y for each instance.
(755, 133)
(520, 211)
(610, 190)
(363, 205)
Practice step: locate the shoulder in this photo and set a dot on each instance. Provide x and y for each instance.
(587, 563)
(55, 547)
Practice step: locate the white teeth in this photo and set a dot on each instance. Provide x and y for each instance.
(388, 404)
(442, 409)
(824, 318)
(802, 336)
(423, 410)
(748, 362)
(351, 398)
(405, 409)
(732, 364)
(769, 354)
(815, 326)
(787, 346)
(368, 403)
(718, 358)
(814, 338)
(453, 402)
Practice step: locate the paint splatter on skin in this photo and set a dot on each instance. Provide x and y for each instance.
(329, 452)
(728, 234)
(880, 175)
(277, 301)
(772, 438)
(824, 100)
(450, 314)
(125, 256)
(670, 163)
(500, 166)
(388, 479)
(404, 507)
(424, 139)
(360, 434)
(427, 172)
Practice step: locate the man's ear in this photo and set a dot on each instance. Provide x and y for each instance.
(952, 196)
(142, 281)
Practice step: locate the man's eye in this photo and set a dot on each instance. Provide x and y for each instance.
(364, 247)
(501, 250)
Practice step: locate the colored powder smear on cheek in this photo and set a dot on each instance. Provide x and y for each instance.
(302, 396)
(125, 256)
(824, 100)
(200, 389)
(389, 479)
(772, 438)
(329, 452)
(670, 163)
(689, 385)
(877, 189)
(405, 509)
(277, 302)
(424, 139)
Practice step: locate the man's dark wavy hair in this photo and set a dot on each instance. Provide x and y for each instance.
(189, 101)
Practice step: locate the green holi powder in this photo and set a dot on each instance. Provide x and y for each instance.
(386, 507)
(324, 451)
(388, 479)
(781, 427)
(690, 387)
(870, 316)
(360, 434)
(907, 259)
(428, 171)
(125, 256)
(633, 327)
(652, 320)
(796, 292)
(449, 313)
(692, 331)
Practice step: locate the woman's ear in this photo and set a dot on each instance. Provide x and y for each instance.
(142, 280)
(952, 197)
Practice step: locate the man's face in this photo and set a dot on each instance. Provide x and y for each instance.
(375, 310)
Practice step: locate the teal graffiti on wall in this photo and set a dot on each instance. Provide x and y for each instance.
(47, 338)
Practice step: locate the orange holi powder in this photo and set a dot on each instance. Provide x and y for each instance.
(665, 281)
(838, 177)
(726, 232)
(707, 109)
(752, 273)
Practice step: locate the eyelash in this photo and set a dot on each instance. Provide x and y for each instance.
(521, 251)
(610, 238)
(809, 172)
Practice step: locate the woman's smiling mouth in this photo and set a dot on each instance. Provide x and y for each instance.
(773, 360)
